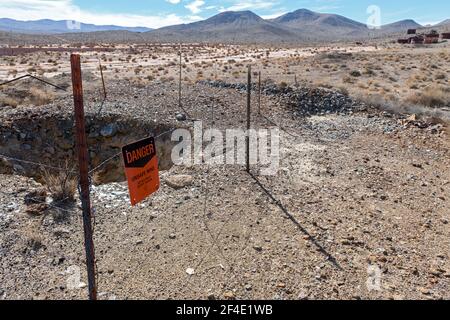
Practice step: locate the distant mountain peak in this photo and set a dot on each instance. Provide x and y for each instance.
(300, 14)
(444, 23)
(232, 16)
(403, 24)
(304, 19)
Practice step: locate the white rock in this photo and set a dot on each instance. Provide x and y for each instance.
(190, 271)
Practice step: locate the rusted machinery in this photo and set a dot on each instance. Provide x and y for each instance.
(429, 38)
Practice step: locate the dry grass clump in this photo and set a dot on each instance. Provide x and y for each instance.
(36, 202)
(31, 238)
(8, 101)
(40, 97)
(432, 96)
(141, 82)
(61, 185)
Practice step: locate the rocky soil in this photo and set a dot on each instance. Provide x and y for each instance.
(358, 190)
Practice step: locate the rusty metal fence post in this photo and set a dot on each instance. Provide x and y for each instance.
(84, 172)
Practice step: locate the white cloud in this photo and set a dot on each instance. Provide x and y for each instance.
(195, 6)
(251, 5)
(67, 10)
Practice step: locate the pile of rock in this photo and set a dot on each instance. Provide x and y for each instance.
(317, 101)
(305, 101)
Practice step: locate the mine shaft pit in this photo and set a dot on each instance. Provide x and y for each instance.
(49, 140)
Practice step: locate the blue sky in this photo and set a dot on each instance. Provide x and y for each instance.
(158, 13)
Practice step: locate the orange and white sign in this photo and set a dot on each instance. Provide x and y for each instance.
(141, 169)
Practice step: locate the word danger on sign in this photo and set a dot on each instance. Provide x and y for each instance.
(141, 169)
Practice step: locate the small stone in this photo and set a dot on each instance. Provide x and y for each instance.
(61, 232)
(258, 248)
(229, 295)
(109, 130)
(425, 291)
(181, 117)
(11, 207)
(179, 181)
(49, 150)
(172, 236)
(82, 285)
(26, 147)
(18, 168)
(190, 271)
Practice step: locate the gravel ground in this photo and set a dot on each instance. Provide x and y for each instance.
(359, 196)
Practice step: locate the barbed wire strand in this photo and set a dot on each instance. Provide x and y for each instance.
(32, 162)
(33, 77)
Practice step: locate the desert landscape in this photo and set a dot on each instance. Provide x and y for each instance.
(362, 190)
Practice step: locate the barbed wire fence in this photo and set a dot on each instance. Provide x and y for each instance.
(214, 238)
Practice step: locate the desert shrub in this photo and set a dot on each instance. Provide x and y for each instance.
(432, 96)
(369, 72)
(343, 90)
(139, 83)
(166, 79)
(355, 73)
(39, 97)
(8, 101)
(348, 80)
(283, 85)
(61, 185)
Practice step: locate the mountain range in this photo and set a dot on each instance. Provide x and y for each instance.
(47, 26)
(238, 27)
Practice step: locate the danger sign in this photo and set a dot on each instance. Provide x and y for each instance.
(141, 169)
